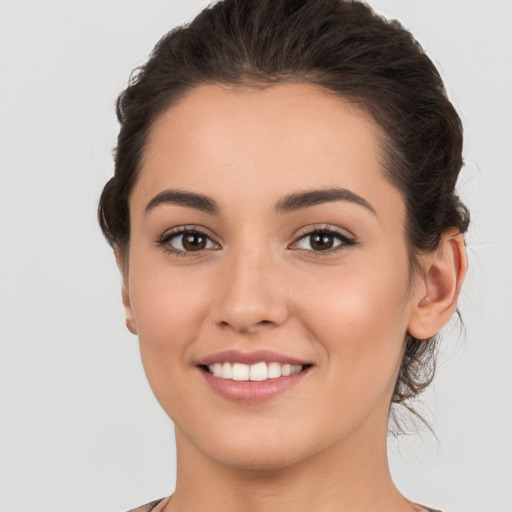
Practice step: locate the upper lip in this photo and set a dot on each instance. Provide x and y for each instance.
(257, 356)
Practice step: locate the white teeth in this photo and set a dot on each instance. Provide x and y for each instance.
(256, 372)
(296, 369)
(240, 371)
(286, 370)
(226, 371)
(274, 370)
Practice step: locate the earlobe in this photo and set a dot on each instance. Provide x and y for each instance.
(130, 321)
(125, 296)
(445, 270)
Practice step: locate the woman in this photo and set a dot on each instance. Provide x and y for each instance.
(284, 215)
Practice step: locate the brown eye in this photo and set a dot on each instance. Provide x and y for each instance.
(323, 240)
(194, 242)
(187, 241)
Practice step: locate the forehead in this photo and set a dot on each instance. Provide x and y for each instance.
(248, 142)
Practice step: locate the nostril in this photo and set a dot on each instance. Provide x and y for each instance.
(240, 326)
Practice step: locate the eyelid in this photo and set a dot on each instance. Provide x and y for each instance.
(335, 230)
(163, 239)
(347, 239)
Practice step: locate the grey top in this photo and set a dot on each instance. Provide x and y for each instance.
(147, 507)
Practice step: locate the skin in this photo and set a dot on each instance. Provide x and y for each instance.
(260, 284)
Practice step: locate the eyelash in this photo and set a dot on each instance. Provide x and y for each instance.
(163, 241)
(345, 241)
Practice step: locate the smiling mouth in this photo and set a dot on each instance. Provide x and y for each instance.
(257, 372)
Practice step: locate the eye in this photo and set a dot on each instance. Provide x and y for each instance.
(186, 240)
(323, 240)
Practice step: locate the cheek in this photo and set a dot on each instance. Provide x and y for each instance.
(360, 331)
(359, 315)
(362, 296)
(169, 309)
(164, 309)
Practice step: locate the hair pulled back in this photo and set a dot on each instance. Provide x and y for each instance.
(343, 47)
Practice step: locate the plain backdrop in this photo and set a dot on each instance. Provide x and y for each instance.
(79, 428)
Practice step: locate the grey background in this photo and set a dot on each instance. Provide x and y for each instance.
(79, 428)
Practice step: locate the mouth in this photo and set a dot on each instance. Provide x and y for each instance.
(257, 372)
(254, 377)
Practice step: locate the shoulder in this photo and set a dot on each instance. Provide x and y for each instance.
(148, 507)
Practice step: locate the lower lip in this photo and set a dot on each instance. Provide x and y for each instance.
(252, 392)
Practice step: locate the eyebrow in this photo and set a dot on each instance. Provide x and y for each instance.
(291, 203)
(182, 198)
(310, 198)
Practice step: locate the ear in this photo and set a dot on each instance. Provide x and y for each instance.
(130, 321)
(439, 287)
(125, 295)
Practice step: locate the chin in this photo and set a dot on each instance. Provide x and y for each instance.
(257, 452)
(256, 461)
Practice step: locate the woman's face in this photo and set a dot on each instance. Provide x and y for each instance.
(265, 239)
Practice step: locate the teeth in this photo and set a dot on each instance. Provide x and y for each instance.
(274, 370)
(226, 371)
(240, 371)
(256, 372)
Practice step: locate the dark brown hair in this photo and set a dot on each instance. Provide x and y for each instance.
(343, 47)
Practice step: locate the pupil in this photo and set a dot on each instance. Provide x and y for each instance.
(322, 241)
(194, 242)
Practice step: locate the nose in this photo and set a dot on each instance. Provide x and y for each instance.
(251, 293)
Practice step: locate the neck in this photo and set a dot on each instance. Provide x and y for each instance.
(351, 476)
